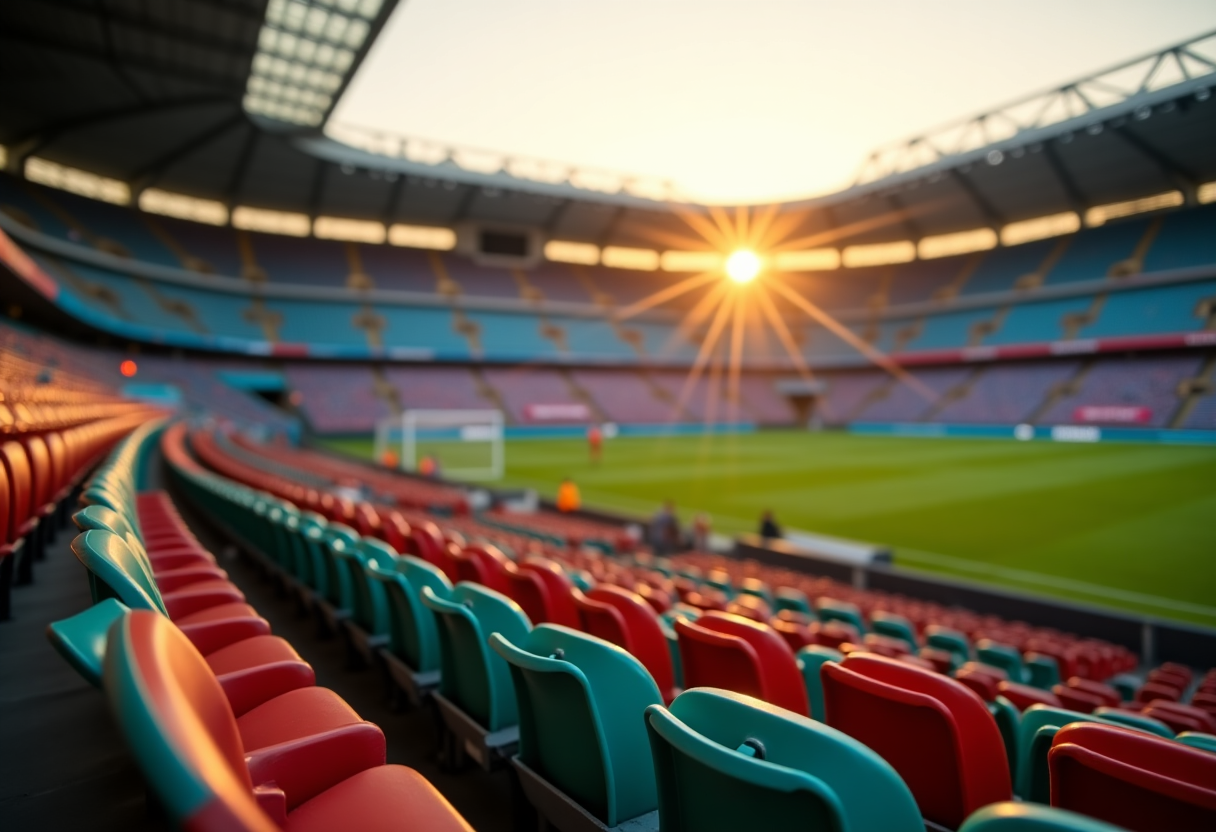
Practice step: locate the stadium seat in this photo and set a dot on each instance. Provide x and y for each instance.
(831, 609)
(810, 660)
(936, 733)
(1003, 656)
(797, 628)
(476, 698)
(559, 605)
(368, 626)
(1132, 778)
(788, 598)
(1023, 696)
(894, 626)
(193, 752)
(1041, 671)
(582, 739)
(1194, 739)
(1038, 727)
(21, 518)
(951, 641)
(484, 564)
(1029, 817)
(623, 618)
(412, 654)
(1135, 720)
(726, 761)
(731, 652)
(1180, 717)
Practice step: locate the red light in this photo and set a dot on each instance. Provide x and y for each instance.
(128, 368)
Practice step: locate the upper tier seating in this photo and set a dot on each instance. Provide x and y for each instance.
(154, 309)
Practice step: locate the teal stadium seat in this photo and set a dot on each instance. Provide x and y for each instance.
(1029, 817)
(725, 761)
(476, 697)
(581, 732)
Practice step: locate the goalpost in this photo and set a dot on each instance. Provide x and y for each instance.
(465, 444)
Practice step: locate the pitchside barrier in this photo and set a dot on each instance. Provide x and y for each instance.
(1156, 640)
(1031, 433)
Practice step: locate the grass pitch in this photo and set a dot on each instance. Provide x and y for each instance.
(1128, 526)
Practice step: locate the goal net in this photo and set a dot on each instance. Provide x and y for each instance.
(463, 444)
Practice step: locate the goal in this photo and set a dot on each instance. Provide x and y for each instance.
(465, 444)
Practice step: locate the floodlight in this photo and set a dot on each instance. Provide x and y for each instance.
(743, 266)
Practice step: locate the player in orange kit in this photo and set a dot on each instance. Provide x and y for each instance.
(595, 442)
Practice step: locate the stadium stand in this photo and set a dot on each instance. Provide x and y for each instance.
(571, 678)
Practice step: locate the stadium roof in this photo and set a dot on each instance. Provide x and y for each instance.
(225, 100)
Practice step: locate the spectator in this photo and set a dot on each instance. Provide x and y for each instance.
(701, 530)
(665, 529)
(568, 498)
(769, 529)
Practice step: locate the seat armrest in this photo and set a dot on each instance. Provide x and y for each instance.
(248, 688)
(186, 602)
(305, 767)
(209, 636)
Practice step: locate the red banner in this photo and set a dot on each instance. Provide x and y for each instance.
(1113, 413)
(569, 412)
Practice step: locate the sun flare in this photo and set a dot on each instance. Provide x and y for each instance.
(743, 266)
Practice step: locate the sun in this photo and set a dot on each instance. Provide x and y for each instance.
(743, 266)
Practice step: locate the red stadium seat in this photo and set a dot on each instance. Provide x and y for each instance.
(1133, 779)
(625, 619)
(935, 732)
(559, 605)
(483, 564)
(721, 650)
(1109, 696)
(1023, 696)
(1181, 717)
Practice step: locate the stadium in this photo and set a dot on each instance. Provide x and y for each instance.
(353, 480)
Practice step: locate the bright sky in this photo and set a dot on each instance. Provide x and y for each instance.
(734, 100)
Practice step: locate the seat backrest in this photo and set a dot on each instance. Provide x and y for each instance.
(937, 733)
(483, 564)
(894, 626)
(526, 588)
(644, 633)
(728, 761)
(427, 543)
(7, 528)
(581, 701)
(1029, 817)
(475, 678)
(810, 659)
(371, 603)
(561, 608)
(41, 490)
(830, 609)
(777, 668)
(412, 631)
(1131, 720)
(117, 572)
(179, 726)
(1036, 729)
(17, 467)
(1132, 778)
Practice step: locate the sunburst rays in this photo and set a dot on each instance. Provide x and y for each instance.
(734, 308)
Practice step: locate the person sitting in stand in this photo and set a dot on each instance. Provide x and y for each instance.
(665, 529)
(769, 529)
(568, 498)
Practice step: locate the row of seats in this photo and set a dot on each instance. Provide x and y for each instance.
(953, 752)
(224, 718)
(41, 465)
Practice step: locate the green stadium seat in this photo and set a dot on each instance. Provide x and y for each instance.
(1131, 720)
(476, 697)
(788, 598)
(1041, 671)
(952, 641)
(581, 734)
(810, 660)
(368, 626)
(1195, 739)
(1038, 727)
(1003, 656)
(830, 609)
(894, 626)
(726, 761)
(1029, 817)
(412, 653)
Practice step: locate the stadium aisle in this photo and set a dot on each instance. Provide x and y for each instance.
(483, 799)
(63, 764)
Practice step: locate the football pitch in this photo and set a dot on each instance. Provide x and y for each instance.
(1117, 525)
